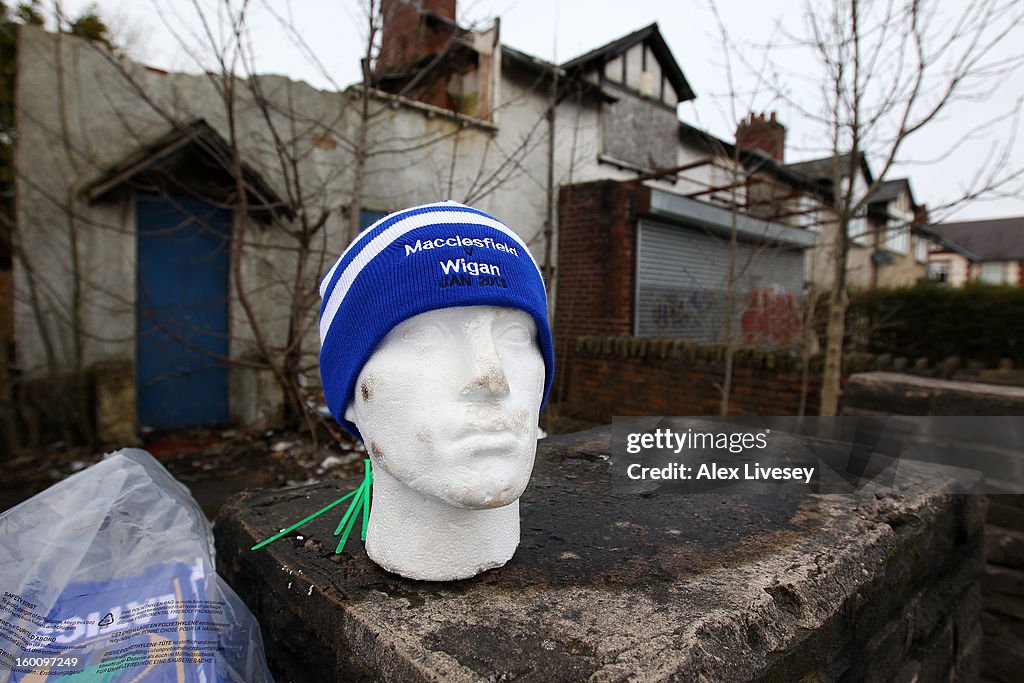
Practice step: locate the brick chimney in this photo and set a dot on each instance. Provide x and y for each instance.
(921, 214)
(766, 135)
(413, 31)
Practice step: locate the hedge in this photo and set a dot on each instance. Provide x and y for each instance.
(978, 322)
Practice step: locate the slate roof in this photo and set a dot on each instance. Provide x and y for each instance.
(698, 136)
(595, 58)
(528, 61)
(890, 190)
(821, 169)
(995, 239)
(818, 169)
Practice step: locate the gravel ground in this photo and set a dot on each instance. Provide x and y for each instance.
(213, 463)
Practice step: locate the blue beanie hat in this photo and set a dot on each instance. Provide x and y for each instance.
(417, 260)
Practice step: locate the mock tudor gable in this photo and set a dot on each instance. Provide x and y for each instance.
(633, 73)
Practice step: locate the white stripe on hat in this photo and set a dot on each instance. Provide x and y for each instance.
(327, 279)
(393, 233)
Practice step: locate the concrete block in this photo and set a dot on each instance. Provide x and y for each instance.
(1006, 511)
(957, 595)
(1002, 648)
(967, 617)
(1004, 546)
(910, 672)
(605, 586)
(888, 647)
(115, 403)
(1003, 591)
(937, 657)
(967, 668)
(974, 513)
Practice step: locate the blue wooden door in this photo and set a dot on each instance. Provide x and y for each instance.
(182, 317)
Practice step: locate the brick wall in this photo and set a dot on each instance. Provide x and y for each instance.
(602, 370)
(625, 375)
(640, 376)
(596, 259)
(411, 37)
(406, 38)
(596, 264)
(766, 135)
(6, 306)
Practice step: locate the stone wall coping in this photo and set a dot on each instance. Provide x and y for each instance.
(664, 348)
(938, 385)
(612, 587)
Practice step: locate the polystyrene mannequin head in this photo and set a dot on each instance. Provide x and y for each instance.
(448, 404)
(424, 258)
(436, 352)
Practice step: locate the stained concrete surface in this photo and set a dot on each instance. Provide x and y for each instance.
(609, 587)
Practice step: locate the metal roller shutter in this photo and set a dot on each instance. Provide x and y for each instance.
(682, 280)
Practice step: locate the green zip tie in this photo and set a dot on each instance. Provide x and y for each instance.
(361, 501)
(295, 526)
(367, 482)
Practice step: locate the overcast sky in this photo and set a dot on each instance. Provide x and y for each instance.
(333, 30)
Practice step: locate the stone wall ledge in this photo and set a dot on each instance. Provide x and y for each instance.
(610, 587)
(789, 359)
(891, 393)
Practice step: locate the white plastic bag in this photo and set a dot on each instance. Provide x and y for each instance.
(108, 576)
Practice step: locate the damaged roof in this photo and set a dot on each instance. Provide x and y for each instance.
(821, 169)
(182, 156)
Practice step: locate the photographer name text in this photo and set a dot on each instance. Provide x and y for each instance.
(713, 471)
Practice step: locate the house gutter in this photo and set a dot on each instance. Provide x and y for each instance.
(720, 221)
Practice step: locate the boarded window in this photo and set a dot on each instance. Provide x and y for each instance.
(635, 132)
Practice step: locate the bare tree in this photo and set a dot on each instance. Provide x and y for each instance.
(71, 405)
(298, 165)
(881, 73)
(743, 181)
(888, 71)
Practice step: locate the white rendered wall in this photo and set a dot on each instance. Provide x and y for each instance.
(416, 154)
